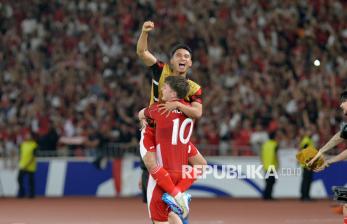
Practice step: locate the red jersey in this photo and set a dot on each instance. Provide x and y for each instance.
(172, 137)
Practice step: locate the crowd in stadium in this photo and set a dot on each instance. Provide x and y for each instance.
(69, 68)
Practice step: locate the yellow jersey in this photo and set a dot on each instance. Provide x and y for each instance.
(162, 70)
(27, 159)
(269, 154)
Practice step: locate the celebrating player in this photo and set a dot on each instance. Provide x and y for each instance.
(180, 63)
(172, 136)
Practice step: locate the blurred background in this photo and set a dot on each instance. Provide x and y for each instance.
(70, 76)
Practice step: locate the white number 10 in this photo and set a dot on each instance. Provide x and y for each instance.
(176, 128)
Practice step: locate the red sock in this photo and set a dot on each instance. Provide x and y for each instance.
(163, 179)
(345, 220)
(185, 183)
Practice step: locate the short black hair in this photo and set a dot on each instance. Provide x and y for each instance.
(181, 46)
(179, 84)
(343, 96)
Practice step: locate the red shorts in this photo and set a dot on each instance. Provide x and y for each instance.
(159, 210)
(147, 143)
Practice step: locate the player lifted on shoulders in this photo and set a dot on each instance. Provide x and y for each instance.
(180, 62)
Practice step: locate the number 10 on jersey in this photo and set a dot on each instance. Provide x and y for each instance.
(179, 129)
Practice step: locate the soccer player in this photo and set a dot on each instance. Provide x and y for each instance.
(180, 63)
(335, 140)
(172, 136)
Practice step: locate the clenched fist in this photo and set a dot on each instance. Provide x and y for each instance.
(147, 26)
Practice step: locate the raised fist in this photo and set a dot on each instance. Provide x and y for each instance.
(147, 26)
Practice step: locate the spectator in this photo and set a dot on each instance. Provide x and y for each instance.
(71, 60)
(258, 137)
(48, 142)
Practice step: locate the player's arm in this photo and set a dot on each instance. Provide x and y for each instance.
(339, 157)
(198, 162)
(142, 47)
(198, 159)
(335, 140)
(194, 110)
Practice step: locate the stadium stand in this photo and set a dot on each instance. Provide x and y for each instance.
(70, 67)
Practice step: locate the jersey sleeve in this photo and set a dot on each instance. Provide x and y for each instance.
(192, 150)
(197, 97)
(157, 69)
(151, 111)
(148, 113)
